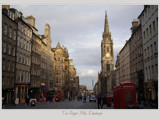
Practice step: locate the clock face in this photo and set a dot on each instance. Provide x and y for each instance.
(107, 54)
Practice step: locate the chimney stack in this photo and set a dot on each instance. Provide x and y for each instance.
(30, 20)
(135, 22)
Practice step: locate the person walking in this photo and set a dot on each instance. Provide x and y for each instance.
(99, 99)
(27, 99)
(104, 101)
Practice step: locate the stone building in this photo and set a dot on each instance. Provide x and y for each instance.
(72, 79)
(77, 84)
(61, 66)
(34, 89)
(23, 56)
(117, 65)
(136, 59)
(107, 59)
(9, 38)
(149, 25)
(47, 63)
(124, 57)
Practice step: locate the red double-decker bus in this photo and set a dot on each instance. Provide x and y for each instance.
(125, 95)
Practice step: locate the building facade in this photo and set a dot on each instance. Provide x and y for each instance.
(9, 38)
(47, 63)
(149, 25)
(107, 59)
(136, 59)
(124, 57)
(117, 65)
(29, 65)
(34, 89)
(23, 56)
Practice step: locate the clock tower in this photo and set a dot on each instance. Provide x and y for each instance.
(107, 59)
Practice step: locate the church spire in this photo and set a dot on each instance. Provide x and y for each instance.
(106, 27)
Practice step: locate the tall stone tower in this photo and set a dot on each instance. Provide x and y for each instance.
(107, 59)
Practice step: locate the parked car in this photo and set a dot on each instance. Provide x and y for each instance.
(92, 98)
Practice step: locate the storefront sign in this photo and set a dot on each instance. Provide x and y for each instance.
(42, 83)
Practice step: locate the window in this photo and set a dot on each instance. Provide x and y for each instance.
(24, 44)
(13, 51)
(5, 29)
(24, 77)
(20, 58)
(155, 46)
(9, 49)
(28, 33)
(29, 61)
(156, 67)
(108, 67)
(26, 60)
(17, 57)
(24, 30)
(21, 44)
(12, 67)
(154, 26)
(145, 52)
(8, 66)
(152, 69)
(19, 75)
(23, 58)
(18, 41)
(4, 47)
(28, 77)
(147, 31)
(107, 49)
(10, 32)
(3, 65)
(150, 29)
(149, 71)
(146, 13)
(14, 35)
(151, 49)
(144, 34)
(57, 72)
(57, 80)
(28, 47)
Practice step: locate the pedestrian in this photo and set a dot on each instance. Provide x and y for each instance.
(84, 100)
(59, 96)
(99, 99)
(56, 99)
(50, 98)
(13, 101)
(27, 99)
(104, 101)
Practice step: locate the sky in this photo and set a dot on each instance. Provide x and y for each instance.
(80, 27)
